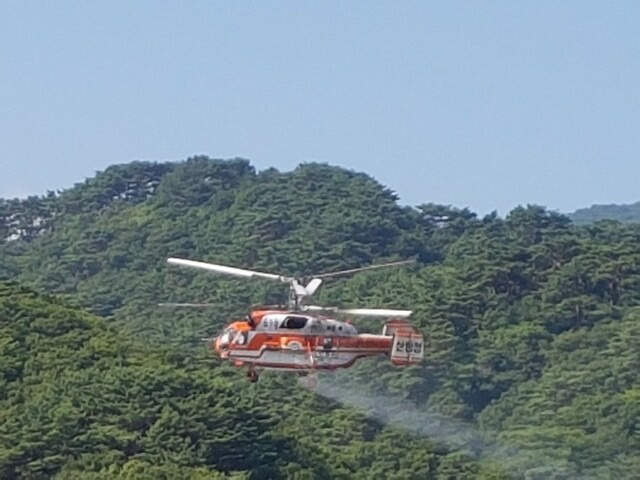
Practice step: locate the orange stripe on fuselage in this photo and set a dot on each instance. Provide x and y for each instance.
(277, 341)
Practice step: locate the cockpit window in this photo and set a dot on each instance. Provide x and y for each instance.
(226, 336)
(240, 338)
(294, 322)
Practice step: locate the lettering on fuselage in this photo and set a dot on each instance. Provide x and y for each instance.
(408, 346)
(270, 323)
(324, 357)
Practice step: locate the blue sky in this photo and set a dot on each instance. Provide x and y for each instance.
(479, 104)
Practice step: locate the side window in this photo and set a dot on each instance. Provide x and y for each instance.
(294, 322)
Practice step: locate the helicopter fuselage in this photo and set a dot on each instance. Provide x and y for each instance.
(294, 341)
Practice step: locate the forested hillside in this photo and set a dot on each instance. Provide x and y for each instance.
(79, 400)
(594, 213)
(532, 322)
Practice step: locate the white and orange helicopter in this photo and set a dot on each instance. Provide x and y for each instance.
(307, 338)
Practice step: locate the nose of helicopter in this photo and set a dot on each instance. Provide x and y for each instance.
(220, 345)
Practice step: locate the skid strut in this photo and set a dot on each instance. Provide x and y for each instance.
(252, 375)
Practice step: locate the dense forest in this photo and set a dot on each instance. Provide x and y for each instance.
(594, 213)
(532, 323)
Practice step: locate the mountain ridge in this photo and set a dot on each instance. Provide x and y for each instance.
(623, 212)
(529, 319)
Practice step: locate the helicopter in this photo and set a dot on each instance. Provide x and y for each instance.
(303, 338)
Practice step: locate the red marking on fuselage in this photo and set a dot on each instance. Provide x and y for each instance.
(245, 345)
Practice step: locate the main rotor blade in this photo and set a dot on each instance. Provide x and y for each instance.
(370, 267)
(187, 305)
(376, 312)
(238, 272)
(319, 308)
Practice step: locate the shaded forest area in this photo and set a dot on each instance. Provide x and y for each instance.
(532, 324)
